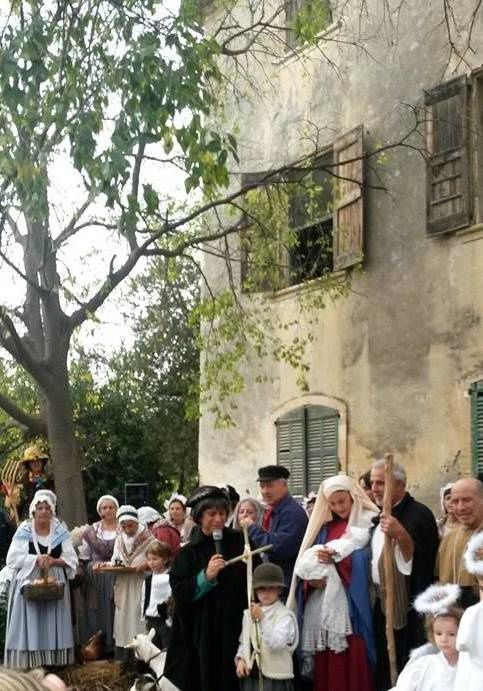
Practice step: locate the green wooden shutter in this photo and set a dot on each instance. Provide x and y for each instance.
(291, 448)
(307, 440)
(477, 426)
(322, 426)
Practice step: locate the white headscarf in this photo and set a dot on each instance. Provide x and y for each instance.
(106, 497)
(147, 515)
(362, 512)
(176, 497)
(43, 495)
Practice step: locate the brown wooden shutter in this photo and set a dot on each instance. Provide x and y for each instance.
(448, 170)
(348, 201)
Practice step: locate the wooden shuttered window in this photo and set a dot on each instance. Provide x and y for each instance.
(348, 202)
(448, 168)
(477, 427)
(307, 441)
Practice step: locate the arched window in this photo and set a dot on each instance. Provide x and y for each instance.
(307, 444)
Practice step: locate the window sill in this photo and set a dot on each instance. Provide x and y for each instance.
(471, 234)
(314, 284)
(297, 52)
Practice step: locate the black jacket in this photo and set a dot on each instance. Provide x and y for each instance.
(201, 654)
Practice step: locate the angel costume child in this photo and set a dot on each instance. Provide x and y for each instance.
(432, 667)
(469, 673)
(330, 589)
(39, 632)
(129, 550)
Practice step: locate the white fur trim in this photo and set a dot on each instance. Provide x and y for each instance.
(437, 599)
(473, 556)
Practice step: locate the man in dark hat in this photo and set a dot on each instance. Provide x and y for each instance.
(284, 522)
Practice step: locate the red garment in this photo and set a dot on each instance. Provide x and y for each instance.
(349, 670)
(267, 517)
(164, 532)
(335, 530)
(346, 671)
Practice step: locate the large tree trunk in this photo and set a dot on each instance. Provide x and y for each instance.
(65, 452)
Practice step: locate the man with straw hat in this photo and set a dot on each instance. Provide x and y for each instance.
(33, 476)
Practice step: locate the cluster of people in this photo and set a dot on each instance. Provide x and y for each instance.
(269, 594)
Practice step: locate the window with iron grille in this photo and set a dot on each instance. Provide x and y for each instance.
(307, 444)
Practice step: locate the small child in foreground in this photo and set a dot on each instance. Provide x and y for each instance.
(269, 635)
(156, 593)
(433, 667)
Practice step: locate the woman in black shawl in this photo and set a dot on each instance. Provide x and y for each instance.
(209, 600)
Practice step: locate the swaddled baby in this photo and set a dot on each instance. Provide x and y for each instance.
(308, 566)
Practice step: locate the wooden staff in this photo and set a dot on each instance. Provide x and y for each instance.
(388, 564)
(248, 555)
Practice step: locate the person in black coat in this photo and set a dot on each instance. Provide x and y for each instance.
(209, 600)
(414, 533)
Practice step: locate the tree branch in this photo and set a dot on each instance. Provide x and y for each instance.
(71, 228)
(13, 344)
(34, 423)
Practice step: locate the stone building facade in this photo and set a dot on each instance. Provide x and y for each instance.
(397, 364)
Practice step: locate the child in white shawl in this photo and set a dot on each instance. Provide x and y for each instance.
(469, 674)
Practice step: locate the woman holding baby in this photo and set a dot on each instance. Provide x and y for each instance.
(330, 589)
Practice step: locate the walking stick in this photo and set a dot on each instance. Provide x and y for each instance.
(388, 563)
(248, 554)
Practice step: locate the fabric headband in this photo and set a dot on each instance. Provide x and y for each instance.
(106, 497)
(127, 513)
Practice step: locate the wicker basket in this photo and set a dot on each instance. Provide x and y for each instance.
(43, 591)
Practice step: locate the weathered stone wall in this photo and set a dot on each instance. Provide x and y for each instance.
(399, 353)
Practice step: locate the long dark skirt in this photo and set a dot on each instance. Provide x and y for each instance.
(99, 606)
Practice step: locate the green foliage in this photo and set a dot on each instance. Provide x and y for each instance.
(97, 79)
(247, 333)
(311, 20)
(132, 422)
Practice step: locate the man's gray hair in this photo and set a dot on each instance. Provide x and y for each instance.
(398, 470)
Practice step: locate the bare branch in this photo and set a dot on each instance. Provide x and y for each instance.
(32, 422)
(72, 227)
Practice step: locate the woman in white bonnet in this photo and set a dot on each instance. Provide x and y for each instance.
(330, 589)
(39, 632)
(97, 546)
